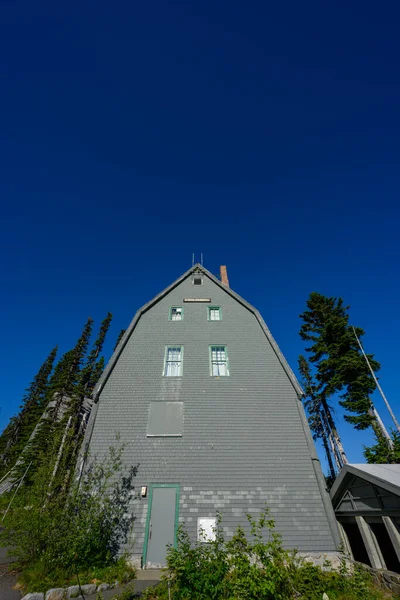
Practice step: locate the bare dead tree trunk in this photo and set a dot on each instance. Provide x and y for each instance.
(331, 441)
(395, 421)
(379, 428)
(335, 434)
(325, 438)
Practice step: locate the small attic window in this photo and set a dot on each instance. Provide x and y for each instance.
(176, 313)
(197, 279)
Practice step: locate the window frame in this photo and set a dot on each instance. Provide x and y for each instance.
(209, 309)
(170, 314)
(165, 360)
(228, 372)
(195, 275)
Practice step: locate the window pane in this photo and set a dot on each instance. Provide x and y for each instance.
(176, 313)
(173, 369)
(173, 362)
(219, 369)
(215, 314)
(219, 363)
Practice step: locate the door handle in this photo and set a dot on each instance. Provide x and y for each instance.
(151, 527)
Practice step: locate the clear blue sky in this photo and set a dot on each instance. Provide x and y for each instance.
(265, 135)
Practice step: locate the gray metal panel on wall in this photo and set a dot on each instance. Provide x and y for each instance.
(244, 442)
(165, 418)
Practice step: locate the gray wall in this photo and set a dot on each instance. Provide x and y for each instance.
(243, 442)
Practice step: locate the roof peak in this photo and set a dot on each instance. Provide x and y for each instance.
(228, 290)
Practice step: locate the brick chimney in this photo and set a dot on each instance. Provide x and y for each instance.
(224, 275)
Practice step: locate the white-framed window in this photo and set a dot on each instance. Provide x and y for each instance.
(173, 361)
(219, 365)
(176, 313)
(214, 313)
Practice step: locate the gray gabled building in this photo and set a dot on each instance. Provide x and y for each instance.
(212, 412)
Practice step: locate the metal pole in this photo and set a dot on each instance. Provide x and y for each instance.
(377, 384)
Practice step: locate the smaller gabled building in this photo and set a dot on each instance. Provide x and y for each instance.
(366, 500)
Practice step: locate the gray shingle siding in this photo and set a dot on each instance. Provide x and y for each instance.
(243, 442)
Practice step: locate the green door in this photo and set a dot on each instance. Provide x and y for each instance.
(162, 522)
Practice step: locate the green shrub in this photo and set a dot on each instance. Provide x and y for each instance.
(198, 570)
(254, 568)
(55, 534)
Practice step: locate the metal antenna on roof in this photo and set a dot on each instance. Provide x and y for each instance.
(193, 259)
(201, 259)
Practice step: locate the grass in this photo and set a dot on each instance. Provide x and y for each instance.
(36, 579)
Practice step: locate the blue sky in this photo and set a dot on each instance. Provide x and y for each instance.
(133, 134)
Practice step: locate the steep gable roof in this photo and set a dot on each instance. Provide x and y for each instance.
(196, 268)
(384, 476)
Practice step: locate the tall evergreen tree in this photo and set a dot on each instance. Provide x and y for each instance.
(90, 373)
(67, 373)
(20, 428)
(340, 368)
(45, 439)
(80, 405)
(336, 355)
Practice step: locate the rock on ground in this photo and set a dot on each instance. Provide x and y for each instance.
(89, 588)
(56, 594)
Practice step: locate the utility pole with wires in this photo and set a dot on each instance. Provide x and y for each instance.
(379, 388)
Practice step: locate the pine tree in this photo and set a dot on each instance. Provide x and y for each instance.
(379, 453)
(20, 428)
(120, 336)
(91, 372)
(46, 437)
(67, 373)
(340, 367)
(80, 405)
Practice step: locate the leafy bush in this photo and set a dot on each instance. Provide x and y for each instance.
(199, 570)
(258, 568)
(56, 534)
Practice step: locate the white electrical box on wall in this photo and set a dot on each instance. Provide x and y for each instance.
(206, 529)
